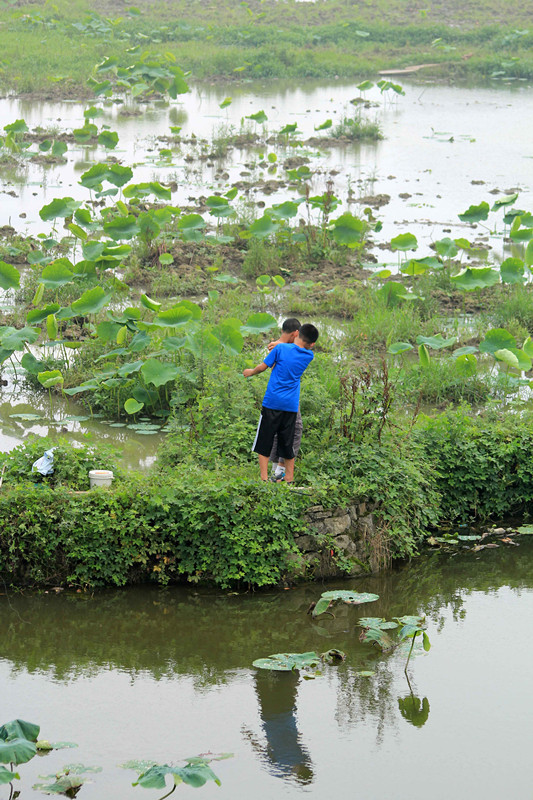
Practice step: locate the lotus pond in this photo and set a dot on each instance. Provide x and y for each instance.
(161, 676)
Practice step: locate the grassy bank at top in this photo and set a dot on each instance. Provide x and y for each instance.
(51, 49)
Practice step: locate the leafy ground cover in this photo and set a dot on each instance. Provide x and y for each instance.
(51, 48)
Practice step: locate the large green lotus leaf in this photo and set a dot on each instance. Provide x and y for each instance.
(393, 293)
(286, 662)
(379, 637)
(107, 331)
(19, 126)
(290, 127)
(194, 774)
(524, 361)
(413, 267)
(399, 347)
(92, 250)
(287, 210)
(147, 396)
(497, 339)
(507, 200)
(436, 342)
(226, 279)
(6, 776)
(476, 278)
(219, 206)
(174, 343)
(345, 596)
(122, 227)
(87, 386)
(94, 176)
(512, 271)
(526, 530)
(91, 301)
(19, 729)
(13, 339)
(203, 344)
(230, 337)
(50, 378)
(178, 315)
(507, 357)
(59, 207)
(109, 139)
(16, 751)
(128, 369)
(9, 276)
(57, 274)
(259, 323)
(446, 248)
(404, 242)
(191, 222)
(37, 315)
(158, 372)
(131, 406)
(31, 365)
(475, 213)
(518, 233)
(115, 252)
(147, 302)
(259, 117)
(348, 230)
(194, 308)
(140, 341)
(466, 365)
(261, 228)
(379, 623)
(527, 347)
(118, 175)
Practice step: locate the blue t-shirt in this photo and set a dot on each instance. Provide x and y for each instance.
(288, 362)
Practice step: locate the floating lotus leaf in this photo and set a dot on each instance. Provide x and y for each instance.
(194, 774)
(345, 596)
(288, 662)
(377, 622)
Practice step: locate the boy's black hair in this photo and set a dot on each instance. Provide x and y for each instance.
(308, 333)
(290, 325)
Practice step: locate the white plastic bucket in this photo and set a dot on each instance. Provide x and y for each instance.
(100, 477)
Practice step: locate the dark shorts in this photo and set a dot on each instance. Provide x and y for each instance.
(272, 422)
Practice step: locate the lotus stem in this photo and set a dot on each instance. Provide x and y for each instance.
(168, 793)
(410, 651)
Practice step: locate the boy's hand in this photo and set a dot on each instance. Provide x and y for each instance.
(248, 373)
(271, 345)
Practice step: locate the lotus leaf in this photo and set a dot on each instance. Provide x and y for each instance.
(466, 364)
(132, 406)
(507, 357)
(476, 278)
(497, 339)
(91, 301)
(13, 339)
(6, 776)
(230, 337)
(504, 201)
(19, 728)
(9, 276)
(59, 207)
(348, 230)
(404, 242)
(195, 774)
(178, 315)
(158, 373)
(399, 347)
(259, 323)
(261, 228)
(475, 213)
(436, 342)
(446, 248)
(57, 274)
(122, 227)
(16, 751)
(344, 595)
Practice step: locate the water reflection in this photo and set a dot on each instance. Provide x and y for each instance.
(282, 752)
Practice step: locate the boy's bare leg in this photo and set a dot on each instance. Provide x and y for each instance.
(263, 467)
(289, 469)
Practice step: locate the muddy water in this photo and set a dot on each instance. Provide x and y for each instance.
(445, 148)
(162, 675)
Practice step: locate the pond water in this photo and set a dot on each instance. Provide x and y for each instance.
(167, 674)
(445, 148)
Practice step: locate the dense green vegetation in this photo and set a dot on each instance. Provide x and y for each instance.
(51, 47)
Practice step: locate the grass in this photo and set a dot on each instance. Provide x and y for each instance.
(52, 49)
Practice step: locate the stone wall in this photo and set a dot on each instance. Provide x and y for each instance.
(340, 542)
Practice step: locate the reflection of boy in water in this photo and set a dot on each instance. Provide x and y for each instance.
(286, 756)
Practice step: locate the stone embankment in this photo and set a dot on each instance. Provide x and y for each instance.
(340, 542)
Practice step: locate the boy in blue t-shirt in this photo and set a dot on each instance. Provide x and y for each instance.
(282, 398)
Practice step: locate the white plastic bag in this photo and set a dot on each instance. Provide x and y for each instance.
(45, 464)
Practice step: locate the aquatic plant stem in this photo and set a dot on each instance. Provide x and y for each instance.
(410, 651)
